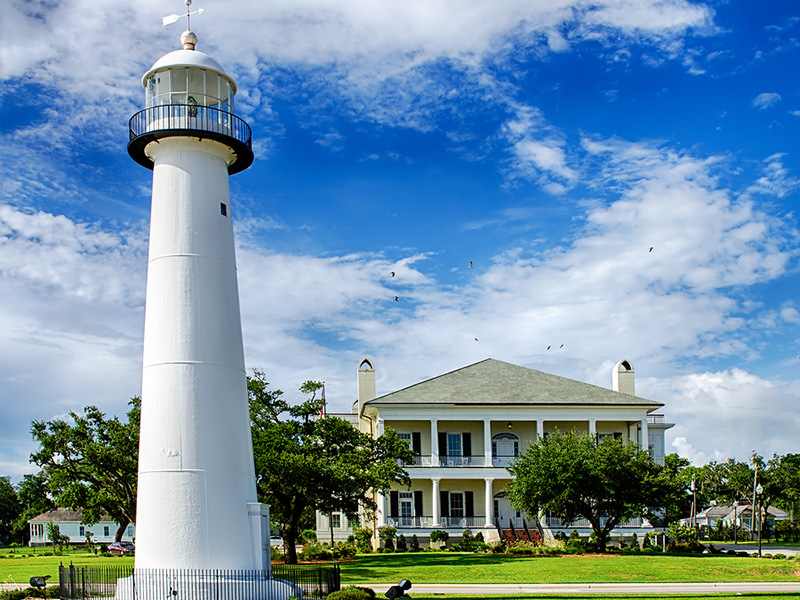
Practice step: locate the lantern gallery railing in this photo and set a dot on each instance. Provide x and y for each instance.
(167, 120)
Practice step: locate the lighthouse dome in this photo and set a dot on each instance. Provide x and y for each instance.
(189, 59)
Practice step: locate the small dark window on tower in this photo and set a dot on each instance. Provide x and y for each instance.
(223, 209)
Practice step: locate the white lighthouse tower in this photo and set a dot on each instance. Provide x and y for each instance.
(197, 504)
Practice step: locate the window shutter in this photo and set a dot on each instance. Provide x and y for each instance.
(417, 503)
(469, 505)
(442, 444)
(394, 504)
(416, 442)
(444, 504)
(466, 444)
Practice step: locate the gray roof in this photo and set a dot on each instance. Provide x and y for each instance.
(59, 515)
(500, 383)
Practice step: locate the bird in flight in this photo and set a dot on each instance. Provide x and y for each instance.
(476, 339)
(395, 298)
(392, 272)
(651, 249)
(561, 346)
(548, 347)
(470, 265)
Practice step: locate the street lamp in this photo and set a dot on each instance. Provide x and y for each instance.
(759, 490)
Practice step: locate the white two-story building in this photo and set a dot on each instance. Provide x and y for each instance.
(466, 426)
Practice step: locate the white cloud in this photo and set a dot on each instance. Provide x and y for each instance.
(766, 100)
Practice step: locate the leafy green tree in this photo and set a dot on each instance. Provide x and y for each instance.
(34, 498)
(55, 537)
(574, 476)
(304, 462)
(91, 463)
(9, 510)
(675, 481)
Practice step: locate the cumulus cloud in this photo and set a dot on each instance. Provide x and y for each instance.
(766, 99)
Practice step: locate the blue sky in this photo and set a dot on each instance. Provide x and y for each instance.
(551, 143)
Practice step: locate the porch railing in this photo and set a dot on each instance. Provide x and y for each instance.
(577, 523)
(443, 523)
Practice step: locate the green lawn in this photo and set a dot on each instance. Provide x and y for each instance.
(22, 564)
(613, 568)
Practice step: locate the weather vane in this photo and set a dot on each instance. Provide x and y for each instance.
(170, 19)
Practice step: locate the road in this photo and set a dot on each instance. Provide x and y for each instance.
(596, 588)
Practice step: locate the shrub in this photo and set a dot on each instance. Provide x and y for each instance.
(402, 546)
(308, 535)
(363, 539)
(352, 592)
(386, 533)
(344, 550)
(414, 547)
(439, 535)
(315, 551)
(778, 556)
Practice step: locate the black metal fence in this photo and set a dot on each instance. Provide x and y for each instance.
(127, 583)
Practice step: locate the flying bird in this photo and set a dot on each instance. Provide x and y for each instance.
(470, 265)
(392, 272)
(561, 346)
(476, 339)
(651, 249)
(548, 347)
(395, 298)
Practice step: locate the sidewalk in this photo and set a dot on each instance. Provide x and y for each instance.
(594, 588)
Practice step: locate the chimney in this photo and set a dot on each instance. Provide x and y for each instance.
(366, 383)
(622, 377)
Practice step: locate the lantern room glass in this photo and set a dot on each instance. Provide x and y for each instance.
(196, 87)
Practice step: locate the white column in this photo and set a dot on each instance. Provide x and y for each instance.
(434, 443)
(593, 428)
(539, 429)
(382, 510)
(487, 443)
(379, 427)
(643, 442)
(435, 502)
(489, 507)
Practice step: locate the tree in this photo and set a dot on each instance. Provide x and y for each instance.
(304, 462)
(91, 464)
(675, 480)
(34, 499)
(573, 476)
(9, 510)
(55, 537)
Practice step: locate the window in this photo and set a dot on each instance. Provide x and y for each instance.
(457, 504)
(105, 531)
(223, 209)
(406, 437)
(454, 444)
(336, 521)
(82, 531)
(406, 505)
(129, 532)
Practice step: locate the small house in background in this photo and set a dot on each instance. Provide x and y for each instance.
(70, 523)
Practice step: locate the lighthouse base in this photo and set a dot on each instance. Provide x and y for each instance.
(180, 584)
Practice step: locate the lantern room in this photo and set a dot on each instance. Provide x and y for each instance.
(188, 93)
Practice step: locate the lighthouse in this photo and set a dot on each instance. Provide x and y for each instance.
(197, 507)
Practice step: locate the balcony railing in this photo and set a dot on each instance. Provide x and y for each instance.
(428, 523)
(503, 460)
(168, 120)
(462, 461)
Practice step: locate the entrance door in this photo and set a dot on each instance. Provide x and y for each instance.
(505, 512)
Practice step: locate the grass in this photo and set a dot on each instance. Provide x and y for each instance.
(18, 565)
(612, 568)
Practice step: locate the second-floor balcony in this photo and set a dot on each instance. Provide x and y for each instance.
(426, 460)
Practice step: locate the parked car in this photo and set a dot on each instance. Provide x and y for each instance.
(121, 548)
